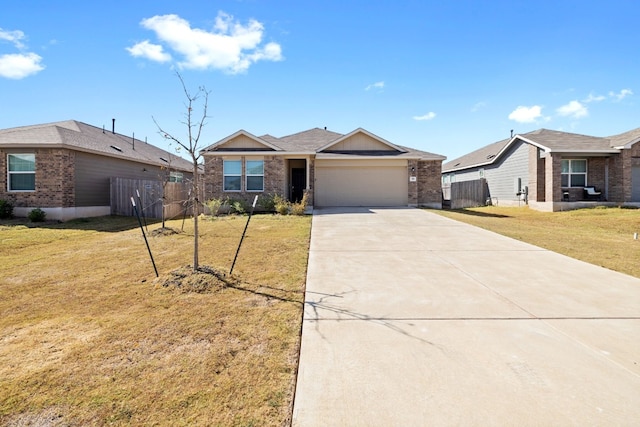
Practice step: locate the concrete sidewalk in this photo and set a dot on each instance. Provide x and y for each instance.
(412, 319)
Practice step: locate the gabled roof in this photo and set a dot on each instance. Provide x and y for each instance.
(360, 130)
(550, 141)
(267, 141)
(83, 137)
(625, 140)
(319, 141)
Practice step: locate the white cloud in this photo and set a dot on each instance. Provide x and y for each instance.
(150, 51)
(19, 65)
(429, 116)
(594, 98)
(230, 46)
(573, 109)
(13, 37)
(376, 85)
(621, 95)
(526, 114)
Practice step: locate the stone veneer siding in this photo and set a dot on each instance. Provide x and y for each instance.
(413, 170)
(55, 179)
(429, 183)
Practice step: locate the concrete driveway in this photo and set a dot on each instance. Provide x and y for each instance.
(412, 319)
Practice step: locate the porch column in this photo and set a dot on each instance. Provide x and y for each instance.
(553, 177)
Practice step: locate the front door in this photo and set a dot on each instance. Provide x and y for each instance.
(298, 183)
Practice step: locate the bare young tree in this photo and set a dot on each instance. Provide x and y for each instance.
(191, 145)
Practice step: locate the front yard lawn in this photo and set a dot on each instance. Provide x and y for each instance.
(89, 336)
(600, 236)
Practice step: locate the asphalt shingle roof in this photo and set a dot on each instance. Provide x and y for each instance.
(83, 137)
(550, 140)
(313, 140)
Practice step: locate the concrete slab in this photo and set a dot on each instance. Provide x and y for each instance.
(415, 319)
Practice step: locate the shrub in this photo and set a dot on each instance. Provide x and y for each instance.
(237, 206)
(281, 205)
(6, 209)
(267, 202)
(214, 206)
(37, 215)
(300, 207)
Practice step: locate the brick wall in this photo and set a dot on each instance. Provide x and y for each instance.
(274, 179)
(55, 179)
(429, 183)
(412, 168)
(553, 172)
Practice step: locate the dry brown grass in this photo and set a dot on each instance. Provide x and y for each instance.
(88, 336)
(600, 236)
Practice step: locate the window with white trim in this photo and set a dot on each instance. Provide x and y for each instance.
(574, 173)
(255, 175)
(175, 176)
(232, 175)
(21, 172)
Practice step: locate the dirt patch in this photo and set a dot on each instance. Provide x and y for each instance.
(49, 417)
(203, 280)
(164, 231)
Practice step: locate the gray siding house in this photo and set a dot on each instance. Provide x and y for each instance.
(65, 168)
(553, 170)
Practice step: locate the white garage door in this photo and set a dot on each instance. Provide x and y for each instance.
(361, 183)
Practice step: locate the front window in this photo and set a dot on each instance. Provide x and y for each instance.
(232, 171)
(21, 172)
(574, 173)
(255, 175)
(175, 176)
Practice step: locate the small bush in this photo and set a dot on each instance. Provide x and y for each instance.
(37, 215)
(281, 205)
(6, 209)
(237, 206)
(300, 207)
(214, 206)
(267, 202)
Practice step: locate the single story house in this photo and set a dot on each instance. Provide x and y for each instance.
(552, 170)
(334, 169)
(65, 168)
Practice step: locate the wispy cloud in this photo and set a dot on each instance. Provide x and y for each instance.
(478, 106)
(524, 114)
(574, 109)
(229, 46)
(18, 65)
(594, 98)
(429, 116)
(621, 95)
(376, 85)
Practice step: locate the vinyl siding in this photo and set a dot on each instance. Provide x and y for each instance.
(93, 175)
(501, 175)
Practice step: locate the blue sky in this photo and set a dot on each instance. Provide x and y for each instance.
(446, 77)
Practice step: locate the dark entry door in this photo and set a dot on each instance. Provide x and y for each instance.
(298, 183)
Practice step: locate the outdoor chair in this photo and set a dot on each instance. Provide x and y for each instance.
(590, 193)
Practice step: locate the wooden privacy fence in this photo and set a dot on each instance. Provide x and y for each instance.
(468, 194)
(122, 189)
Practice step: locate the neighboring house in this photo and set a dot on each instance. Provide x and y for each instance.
(550, 169)
(356, 169)
(65, 168)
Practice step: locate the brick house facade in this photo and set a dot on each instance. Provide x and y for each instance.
(73, 164)
(407, 177)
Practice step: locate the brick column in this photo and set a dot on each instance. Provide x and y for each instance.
(553, 178)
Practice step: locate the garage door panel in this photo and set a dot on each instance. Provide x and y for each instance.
(361, 186)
